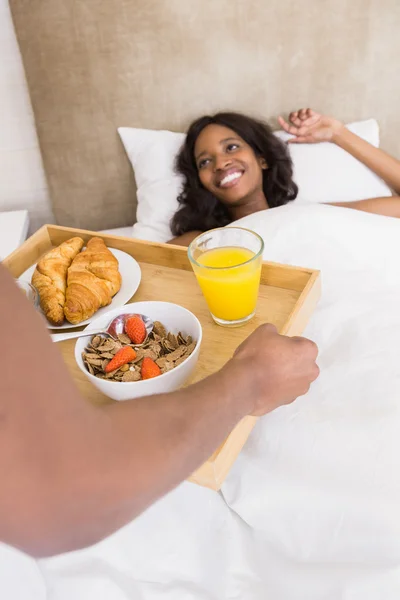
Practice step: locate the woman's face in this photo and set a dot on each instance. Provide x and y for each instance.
(228, 167)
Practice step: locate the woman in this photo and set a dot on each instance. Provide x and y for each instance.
(234, 166)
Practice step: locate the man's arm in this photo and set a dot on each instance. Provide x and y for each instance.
(72, 473)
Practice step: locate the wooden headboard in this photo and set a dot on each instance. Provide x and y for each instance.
(94, 65)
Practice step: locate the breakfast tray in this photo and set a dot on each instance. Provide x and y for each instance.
(288, 296)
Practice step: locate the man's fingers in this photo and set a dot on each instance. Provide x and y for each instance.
(308, 345)
(264, 329)
(316, 372)
(267, 328)
(312, 376)
(312, 348)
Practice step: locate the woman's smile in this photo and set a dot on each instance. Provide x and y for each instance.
(228, 178)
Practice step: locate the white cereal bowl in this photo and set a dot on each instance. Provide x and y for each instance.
(175, 318)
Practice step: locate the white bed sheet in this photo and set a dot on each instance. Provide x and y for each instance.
(311, 508)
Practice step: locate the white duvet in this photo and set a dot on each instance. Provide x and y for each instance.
(311, 508)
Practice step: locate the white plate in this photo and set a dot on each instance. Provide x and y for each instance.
(131, 276)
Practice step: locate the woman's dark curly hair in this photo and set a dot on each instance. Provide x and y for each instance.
(199, 209)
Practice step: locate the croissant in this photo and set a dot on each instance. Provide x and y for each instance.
(93, 279)
(50, 278)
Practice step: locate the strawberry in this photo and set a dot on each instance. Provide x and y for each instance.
(122, 357)
(149, 368)
(135, 329)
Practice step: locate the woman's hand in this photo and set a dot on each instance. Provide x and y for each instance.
(310, 127)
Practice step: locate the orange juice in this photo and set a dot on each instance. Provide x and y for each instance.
(230, 286)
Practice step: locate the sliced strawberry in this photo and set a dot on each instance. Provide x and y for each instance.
(122, 357)
(149, 368)
(135, 329)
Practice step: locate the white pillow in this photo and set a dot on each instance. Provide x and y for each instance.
(326, 173)
(323, 172)
(152, 154)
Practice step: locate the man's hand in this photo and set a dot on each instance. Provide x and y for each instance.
(310, 127)
(274, 369)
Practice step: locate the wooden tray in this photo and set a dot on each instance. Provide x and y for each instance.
(288, 296)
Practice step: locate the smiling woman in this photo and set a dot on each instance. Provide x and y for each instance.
(233, 166)
(228, 166)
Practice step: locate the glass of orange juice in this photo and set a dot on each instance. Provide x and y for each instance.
(227, 263)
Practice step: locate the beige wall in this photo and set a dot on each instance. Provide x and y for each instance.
(95, 65)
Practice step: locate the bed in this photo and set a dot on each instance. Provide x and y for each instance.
(310, 509)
